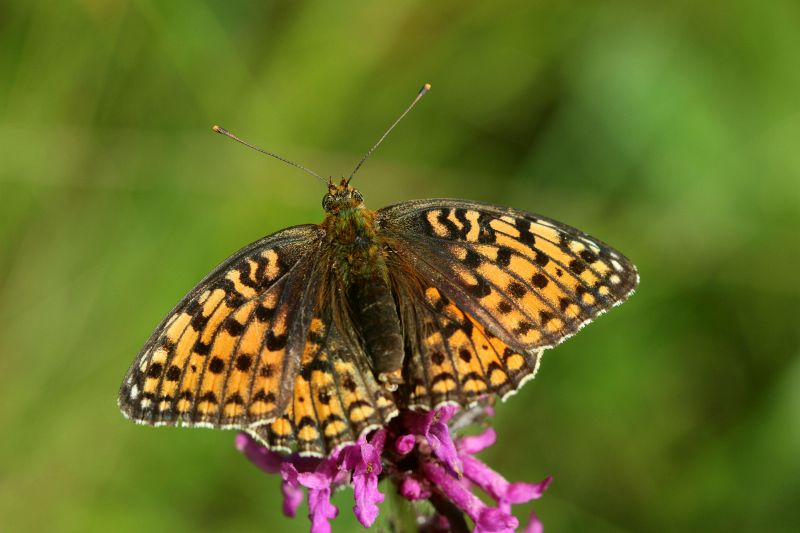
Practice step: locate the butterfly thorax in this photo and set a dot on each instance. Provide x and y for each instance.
(354, 243)
(359, 266)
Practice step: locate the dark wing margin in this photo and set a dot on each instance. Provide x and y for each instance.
(225, 355)
(532, 281)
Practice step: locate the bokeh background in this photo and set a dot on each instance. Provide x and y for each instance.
(669, 130)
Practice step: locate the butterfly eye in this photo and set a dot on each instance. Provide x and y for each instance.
(357, 197)
(327, 202)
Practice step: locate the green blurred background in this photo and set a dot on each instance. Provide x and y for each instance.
(670, 131)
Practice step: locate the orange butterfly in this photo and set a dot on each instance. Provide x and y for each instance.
(318, 333)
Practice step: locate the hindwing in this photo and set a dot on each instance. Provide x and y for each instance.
(336, 397)
(450, 356)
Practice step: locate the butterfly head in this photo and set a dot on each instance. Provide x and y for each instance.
(341, 197)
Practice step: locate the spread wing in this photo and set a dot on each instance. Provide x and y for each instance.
(226, 356)
(528, 280)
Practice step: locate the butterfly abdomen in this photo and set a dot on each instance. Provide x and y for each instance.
(375, 315)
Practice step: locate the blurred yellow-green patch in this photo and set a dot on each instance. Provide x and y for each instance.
(670, 130)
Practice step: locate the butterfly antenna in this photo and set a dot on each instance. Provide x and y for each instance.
(223, 131)
(422, 92)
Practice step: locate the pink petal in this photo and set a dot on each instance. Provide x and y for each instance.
(366, 469)
(521, 492)
(266, 460)
(473, 444)
(498, 487)
(445, 413)
(534, 524)
(321, 510)
(314, 480)
(443, 447)
(484, 477)
(495, 520)
(486, 518)
(412, 490)
(319, 497)
(367, 497)
(292, 498)
(404, 444)
(290, 487)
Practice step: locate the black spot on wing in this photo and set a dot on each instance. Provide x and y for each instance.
(482, 287)
(504, 256)
(243, 362)
(472, 260)
(263, 314)
(316, 364)
(539, 280)
(275, 342)
(577, 266)
(486, 234)
(199, 322)
(233, 327)
(516, 289)
(209, 397)
(154, 370)
(525, 235)
(201, 348)
(588, 256)
(216, 366)
(234, 399)
(264, 396)
(173, 373)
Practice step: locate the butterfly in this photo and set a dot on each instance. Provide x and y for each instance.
(319, 333)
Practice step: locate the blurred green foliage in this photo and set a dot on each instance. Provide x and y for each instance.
(671, 130)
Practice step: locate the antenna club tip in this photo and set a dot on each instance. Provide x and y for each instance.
(218, 129)
(426, 87)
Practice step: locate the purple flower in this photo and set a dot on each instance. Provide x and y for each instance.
(417, 453)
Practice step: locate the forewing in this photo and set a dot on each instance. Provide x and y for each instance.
(336, 398)
(530, 280)
(224, 356)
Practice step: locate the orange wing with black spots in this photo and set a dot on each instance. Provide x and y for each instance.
(224, 356)
(530, 280)
(450, 356)
(336, 396)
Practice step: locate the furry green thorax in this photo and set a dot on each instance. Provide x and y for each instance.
(350, 230)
